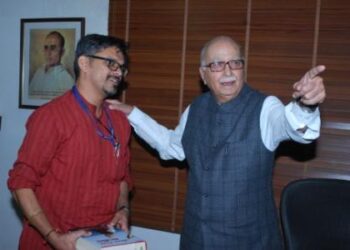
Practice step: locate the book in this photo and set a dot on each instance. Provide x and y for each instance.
(115, 239)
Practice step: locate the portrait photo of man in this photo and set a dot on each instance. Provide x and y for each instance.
(50, 74)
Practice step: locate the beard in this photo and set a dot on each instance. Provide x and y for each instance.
(111, 91)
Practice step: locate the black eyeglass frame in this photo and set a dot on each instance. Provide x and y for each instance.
(111, 63)
(234, 61)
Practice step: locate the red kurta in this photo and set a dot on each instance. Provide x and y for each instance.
(74, 172)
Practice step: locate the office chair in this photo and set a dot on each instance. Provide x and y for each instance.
(315, 214)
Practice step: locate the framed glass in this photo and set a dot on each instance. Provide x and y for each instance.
(46, 58)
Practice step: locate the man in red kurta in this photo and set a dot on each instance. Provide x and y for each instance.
(72, 170)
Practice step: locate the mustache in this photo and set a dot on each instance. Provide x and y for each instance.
(228, 79)
(118, 78)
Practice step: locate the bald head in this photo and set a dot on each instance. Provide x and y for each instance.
(214, 41)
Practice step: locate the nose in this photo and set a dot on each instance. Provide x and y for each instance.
(227, 69)
(117, 72)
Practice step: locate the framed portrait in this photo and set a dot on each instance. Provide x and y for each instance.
(47, 58)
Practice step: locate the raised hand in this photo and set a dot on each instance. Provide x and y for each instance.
(310, 90)
(117, 105)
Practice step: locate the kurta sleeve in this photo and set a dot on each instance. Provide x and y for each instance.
(166, 141)
(36, 152)
(279, 123)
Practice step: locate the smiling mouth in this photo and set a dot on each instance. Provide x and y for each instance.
(115, 80)
(227, 83)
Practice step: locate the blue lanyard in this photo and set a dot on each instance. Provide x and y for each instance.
(111, 136)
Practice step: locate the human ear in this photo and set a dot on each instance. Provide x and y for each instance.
(83, 63)
(201, 72)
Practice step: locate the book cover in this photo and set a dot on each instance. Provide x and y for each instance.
(116, 240)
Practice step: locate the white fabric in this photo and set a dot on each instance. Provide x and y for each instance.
(52, 83)
(277, 123)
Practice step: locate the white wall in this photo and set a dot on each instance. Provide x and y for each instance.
(13, 118)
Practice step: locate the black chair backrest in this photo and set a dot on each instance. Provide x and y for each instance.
(315, 214)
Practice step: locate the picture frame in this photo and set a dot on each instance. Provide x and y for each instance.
(47, 47)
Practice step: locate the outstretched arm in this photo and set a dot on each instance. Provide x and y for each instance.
(300, 119)
(117, 105)
(166, 141)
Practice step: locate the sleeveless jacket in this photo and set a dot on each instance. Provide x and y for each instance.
(229, 203)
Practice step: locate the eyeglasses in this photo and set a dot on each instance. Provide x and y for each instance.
(220, 66)
(113, 65)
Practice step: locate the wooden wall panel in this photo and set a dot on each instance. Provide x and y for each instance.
(281, 41)
(156, 55)
(334, 51)
(155, 37)
(281, 44)
(118, 19)
(282, 37)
